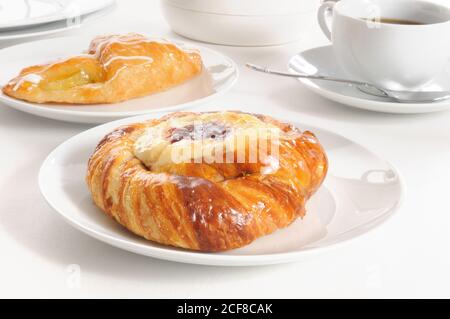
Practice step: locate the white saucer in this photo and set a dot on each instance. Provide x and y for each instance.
(55, 27)
(321, 60)
(219, 76)
(26, 13)
(354, 199)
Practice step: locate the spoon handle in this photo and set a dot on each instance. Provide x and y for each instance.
(304, 76)
(398, 96)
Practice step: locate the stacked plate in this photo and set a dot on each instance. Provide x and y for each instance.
(31, 18)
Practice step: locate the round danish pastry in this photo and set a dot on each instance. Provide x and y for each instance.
(206, 181)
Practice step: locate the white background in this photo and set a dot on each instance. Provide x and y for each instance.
(407, 257)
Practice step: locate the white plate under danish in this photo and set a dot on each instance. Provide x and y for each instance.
(219, 75)
(16, 14)
(322, 61)
(361, 191)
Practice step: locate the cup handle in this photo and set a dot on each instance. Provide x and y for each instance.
(324, 17)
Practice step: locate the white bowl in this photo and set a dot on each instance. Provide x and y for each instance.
(247, 7)
(242, 26)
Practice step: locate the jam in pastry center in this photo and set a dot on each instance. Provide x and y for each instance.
(196, 132)
(209, 138)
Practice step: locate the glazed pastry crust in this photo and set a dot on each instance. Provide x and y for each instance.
(116, 68)
(200, 206)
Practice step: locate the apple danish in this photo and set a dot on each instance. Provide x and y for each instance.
(116, 68)
(206, 181)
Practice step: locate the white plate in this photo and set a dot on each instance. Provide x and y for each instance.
(322, 61)
(16, 14)
(361, 191)
(54, 27)
(219, 76)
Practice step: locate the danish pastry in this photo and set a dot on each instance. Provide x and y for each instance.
(206, 181)
(116, 68)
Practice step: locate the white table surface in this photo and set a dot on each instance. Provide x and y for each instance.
(409, 256)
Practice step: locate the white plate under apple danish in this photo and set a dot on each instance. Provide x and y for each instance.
(110, 77)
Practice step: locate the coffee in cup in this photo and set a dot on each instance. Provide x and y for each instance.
(398, 45)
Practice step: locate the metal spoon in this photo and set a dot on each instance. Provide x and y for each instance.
(399, 96)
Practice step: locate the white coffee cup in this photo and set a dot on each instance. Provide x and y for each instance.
(392, 55)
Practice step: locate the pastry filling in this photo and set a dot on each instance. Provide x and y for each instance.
(210, 130)
(209, 137)
(65, 75)
(76, 79)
